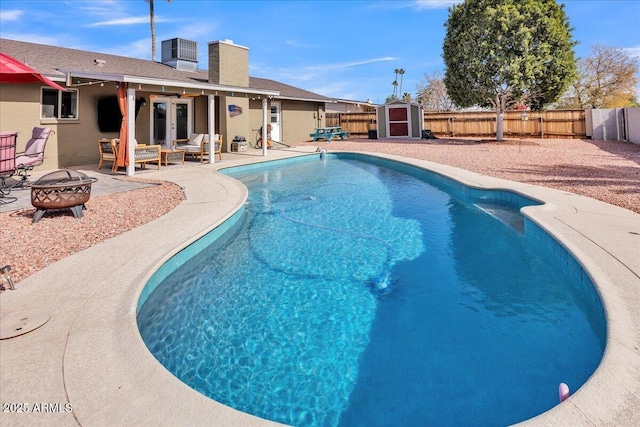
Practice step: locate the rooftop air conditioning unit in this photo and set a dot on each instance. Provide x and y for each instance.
(180, 54)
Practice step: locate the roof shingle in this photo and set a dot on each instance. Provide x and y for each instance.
(54, 61)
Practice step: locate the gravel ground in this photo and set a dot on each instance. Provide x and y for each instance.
(29, 247)
(604, 170)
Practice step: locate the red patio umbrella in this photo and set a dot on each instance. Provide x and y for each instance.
(14, 71)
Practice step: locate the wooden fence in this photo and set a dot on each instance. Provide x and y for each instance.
(546, 124)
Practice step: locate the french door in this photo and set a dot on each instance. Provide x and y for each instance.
(171, 118)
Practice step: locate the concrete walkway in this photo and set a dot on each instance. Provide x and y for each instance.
(88, 364)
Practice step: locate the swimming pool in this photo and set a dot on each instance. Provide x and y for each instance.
(354, 293)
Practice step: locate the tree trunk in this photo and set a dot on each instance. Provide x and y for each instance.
(501, 106)
(499, 124)
(153, 31)
(499, 116)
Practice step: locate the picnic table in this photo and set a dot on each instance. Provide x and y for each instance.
(328, 133)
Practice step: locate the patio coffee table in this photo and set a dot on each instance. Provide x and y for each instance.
(172, 156)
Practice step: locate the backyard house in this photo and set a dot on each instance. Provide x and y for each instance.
(166, 100)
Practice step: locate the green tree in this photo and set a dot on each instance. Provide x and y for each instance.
(395, 83)
(498, 52)
(152, 20)
(401, 72)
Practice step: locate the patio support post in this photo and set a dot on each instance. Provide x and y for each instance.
(212, 128)
(264, 126)
(131, 129)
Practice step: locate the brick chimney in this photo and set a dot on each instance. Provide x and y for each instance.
(228, 63)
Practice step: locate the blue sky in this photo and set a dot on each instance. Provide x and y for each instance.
(343, 49)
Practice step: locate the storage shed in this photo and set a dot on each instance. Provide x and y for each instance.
(399, 119)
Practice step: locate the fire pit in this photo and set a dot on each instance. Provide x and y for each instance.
(61, 189)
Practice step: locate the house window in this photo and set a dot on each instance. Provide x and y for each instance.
(57, 104)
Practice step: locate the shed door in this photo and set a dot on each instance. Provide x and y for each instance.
(398, 118)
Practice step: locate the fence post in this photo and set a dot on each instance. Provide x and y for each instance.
(541, 127)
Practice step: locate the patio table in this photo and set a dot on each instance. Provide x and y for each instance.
(172, 156)
(328, 133)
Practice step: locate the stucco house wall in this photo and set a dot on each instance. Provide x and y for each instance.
(74, 142)
(19, 108)
(231, 126)
(299, 119)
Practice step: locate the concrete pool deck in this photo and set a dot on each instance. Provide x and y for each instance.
(90, 355)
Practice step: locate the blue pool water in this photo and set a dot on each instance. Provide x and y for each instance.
(352, 294)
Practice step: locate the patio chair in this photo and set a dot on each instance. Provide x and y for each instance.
(205, 147)
(108, 150)
(7, 163)
(217, 144)
(143, 153)
(198, 145)
(33, 154)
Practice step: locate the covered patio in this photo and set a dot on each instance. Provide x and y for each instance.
(110, 182)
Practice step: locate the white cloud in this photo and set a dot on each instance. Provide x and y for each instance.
(10, 15)
(334, 89)
(33, 38)
(131, 20)
(435, 4)
(297, 44)
(136, 49)
(632, 51)
(346, 65)
(97, 7)
(364, 62)
(311, 72)
(190, 32)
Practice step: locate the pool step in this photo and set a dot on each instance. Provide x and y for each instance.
(505, 214)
